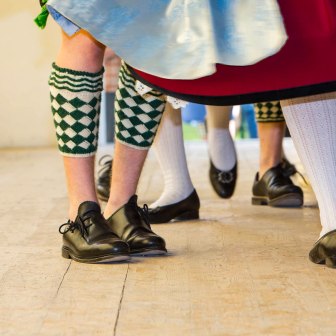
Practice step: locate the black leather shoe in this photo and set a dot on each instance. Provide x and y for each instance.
(104, 177)
(131, 224)
(223, 182)
(186, 209)
(289, 170)
(276, 189)
(324, 250)
(89, 239)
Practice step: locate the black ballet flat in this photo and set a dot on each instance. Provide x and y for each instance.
(324, 250)
(187, 209)
(223, 182)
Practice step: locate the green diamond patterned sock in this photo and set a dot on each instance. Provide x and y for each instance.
(75, 104)
(137, 117)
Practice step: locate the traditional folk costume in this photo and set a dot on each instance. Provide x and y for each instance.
(222, 53)
(190, 40)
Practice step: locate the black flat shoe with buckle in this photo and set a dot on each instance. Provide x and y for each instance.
(324, 250)
(131, 224)
(187, 209)
(223, 182)
(276, 189)
(89, 239)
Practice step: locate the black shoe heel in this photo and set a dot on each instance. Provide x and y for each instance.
(259, 201)
(65, 254)
(188, 215)
(331, 262)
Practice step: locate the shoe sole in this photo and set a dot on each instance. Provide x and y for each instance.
(323, 251)
(148, 253)
(67, 254)
(285, 201)
(329, 261)
(185, 216)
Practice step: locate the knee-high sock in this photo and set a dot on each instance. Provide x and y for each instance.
(268, 112)
(312, 124)
(169, 150)
(137, 116)
(221, 146)
(75, 104)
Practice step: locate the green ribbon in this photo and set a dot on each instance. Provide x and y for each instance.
(41, 19)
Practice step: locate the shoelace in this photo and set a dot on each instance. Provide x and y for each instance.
(289, 170)
(144, 214)
(72, 226)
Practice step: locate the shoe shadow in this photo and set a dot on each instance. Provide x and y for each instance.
(123, 262)
(179, 221)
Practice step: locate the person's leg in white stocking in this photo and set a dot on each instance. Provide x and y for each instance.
(221, 146)
(179, 199)
(312, 123)
(222, 152)
(170, 153)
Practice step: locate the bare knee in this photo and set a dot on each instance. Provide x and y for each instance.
(80, 52)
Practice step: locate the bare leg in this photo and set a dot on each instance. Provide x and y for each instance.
(82, 53)
(75, 84)
(123, 215)
(131, 150)
(79, 174)
(270, 136)
(218, 116)
(272, 184)
(127, 167)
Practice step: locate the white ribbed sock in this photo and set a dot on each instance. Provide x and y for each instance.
(169, 149)
(222, 151)
(221, 148)
(312, 124)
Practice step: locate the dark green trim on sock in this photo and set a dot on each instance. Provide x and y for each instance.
(76, 72)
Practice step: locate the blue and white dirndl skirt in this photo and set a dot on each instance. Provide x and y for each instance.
(179, 39)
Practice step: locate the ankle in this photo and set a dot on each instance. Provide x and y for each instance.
(74, 205)
(267, 166)
(112, 206)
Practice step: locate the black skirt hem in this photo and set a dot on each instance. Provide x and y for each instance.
(248, 98)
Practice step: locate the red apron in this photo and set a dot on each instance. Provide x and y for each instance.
(304, 66)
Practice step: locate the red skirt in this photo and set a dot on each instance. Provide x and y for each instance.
(306, 65)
